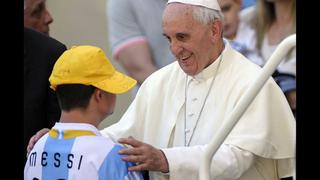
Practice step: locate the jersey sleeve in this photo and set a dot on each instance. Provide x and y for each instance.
(113, 167)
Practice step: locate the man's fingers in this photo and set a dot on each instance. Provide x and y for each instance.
(31, 143)
(42, 132)
(132, 158)
(130, 141)
(35, 138)
(131, 151)
(146, 156)
(140, 167)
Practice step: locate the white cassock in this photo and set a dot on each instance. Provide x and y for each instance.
(261, 145)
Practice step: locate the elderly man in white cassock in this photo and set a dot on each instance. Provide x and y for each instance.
(180, 107)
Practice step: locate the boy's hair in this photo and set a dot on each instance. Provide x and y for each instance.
(71, 96)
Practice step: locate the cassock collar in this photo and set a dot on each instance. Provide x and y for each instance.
(209, 71)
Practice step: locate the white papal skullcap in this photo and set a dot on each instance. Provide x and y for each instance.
(211, 4)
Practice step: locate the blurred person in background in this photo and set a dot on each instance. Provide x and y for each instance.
(247, 3)
(273, 21)
(135, 36)
(238, 32)
(41, 107)
(36, 16)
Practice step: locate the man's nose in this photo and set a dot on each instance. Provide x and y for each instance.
(48, 17)
(175, 47)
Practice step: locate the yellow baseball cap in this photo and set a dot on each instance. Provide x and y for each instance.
(88, 65)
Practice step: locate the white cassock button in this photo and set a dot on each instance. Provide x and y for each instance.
(194, 99)
(187, 130)
(190, 114)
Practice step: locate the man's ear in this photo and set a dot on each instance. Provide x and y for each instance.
(216, 29)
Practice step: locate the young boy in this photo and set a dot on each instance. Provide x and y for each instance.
(86, 84)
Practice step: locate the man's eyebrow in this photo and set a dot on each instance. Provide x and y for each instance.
(182, 34)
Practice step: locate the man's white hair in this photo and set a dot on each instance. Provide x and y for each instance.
(206, 15)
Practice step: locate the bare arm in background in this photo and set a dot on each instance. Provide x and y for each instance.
(137, 61)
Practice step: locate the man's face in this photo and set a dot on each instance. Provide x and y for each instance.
(230, 10)
(36, 16)
(191, 42)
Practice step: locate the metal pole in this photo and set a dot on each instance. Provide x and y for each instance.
(244, 103)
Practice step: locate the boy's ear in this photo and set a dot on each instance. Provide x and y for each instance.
(97, 94)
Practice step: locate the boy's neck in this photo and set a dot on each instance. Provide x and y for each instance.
(78, 116)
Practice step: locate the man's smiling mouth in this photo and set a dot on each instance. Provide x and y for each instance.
(184, 58)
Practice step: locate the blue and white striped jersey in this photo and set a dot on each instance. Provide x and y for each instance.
(74, 151)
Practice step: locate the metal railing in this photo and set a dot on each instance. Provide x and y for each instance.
(268, 69)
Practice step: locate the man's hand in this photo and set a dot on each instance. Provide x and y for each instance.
(146, 156)
(291, 97)
(35, 138)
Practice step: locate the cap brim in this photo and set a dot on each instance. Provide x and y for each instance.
(117, 84)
